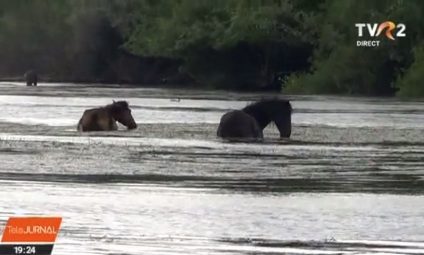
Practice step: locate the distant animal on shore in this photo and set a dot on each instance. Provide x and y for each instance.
(105, 118)
(31, 78)
(251, 120)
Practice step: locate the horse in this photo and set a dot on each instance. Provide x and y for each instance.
(251, 120)
(31, 78)
(104, 118)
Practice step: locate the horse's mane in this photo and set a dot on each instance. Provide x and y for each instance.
(118, 105)
(267, 110)
(268, 102)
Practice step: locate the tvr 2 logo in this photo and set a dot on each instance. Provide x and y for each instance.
(392, 31)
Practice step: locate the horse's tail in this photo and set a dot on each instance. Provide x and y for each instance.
(218, 132)
(79, 126)
(290, 107)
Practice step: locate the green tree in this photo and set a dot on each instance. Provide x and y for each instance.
(411, 83)
(224, 43)
(340, 67)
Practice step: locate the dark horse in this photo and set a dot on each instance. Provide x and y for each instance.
(31, 78)
(104, 118)
(251, 120)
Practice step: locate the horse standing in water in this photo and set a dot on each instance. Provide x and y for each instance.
(31, 78)
(251, 120)
(104, 118)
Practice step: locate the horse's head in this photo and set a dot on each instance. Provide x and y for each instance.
(122, 113)
(282, 117)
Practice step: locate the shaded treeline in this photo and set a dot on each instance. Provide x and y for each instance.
(73, 40)
(301, 46)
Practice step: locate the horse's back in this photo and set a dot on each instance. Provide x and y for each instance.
(96, 119)
(238, 124)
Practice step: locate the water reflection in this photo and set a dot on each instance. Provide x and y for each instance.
(349, 181)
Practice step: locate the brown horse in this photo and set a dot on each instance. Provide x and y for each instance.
(104, 118)
(251, 120)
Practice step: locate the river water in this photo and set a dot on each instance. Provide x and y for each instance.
(349, 181)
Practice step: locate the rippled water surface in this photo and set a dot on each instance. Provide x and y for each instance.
(349, 181)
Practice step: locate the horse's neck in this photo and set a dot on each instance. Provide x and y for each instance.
(109, 110)
(260, 116)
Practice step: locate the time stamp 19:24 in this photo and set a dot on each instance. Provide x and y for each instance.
(19, 249)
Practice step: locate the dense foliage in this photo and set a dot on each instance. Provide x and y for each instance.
(338, 66)
(300, 46)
